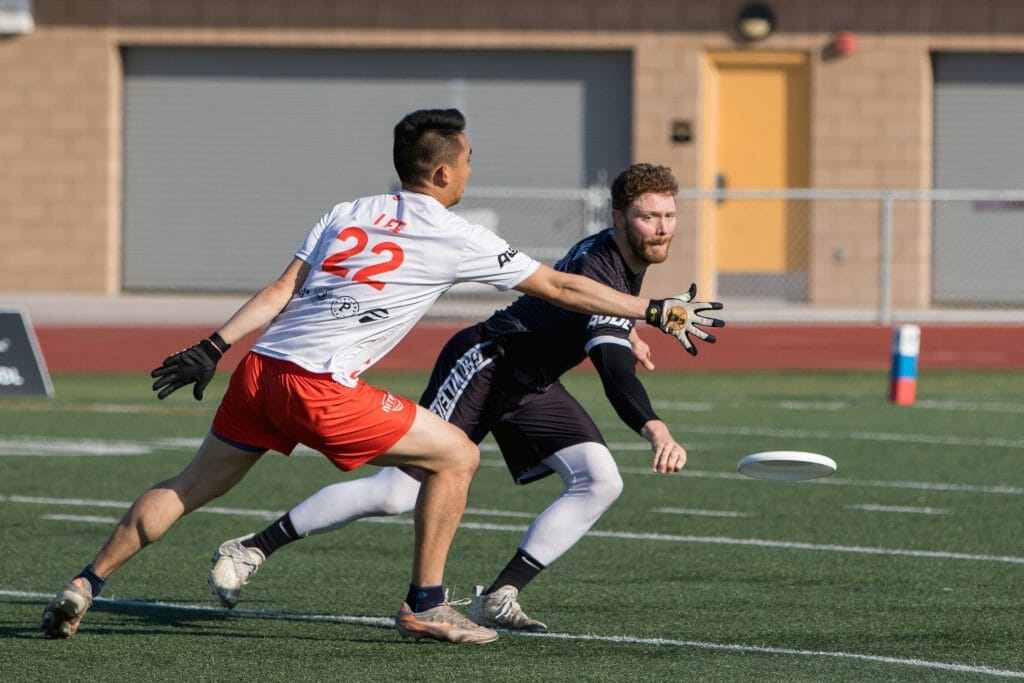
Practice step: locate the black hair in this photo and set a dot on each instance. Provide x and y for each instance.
(424, 139)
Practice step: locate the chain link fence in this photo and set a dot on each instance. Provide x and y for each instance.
(799, 254)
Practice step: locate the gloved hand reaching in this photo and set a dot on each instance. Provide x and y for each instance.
(680, 315)
(196, 364)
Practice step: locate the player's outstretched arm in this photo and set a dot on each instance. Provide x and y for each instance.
(582, 294)
(198, 363)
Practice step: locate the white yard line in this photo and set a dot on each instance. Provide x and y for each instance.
(682, 406)
(699, 513)
(934, 439)
(971, 407)
(87, 519)
(621, 535)
(870, 507)
(838, 404)
(54, 447)
(386, 622)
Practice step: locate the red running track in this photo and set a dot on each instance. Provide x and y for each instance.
(739, 347)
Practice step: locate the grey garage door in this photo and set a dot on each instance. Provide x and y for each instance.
(979, 144)
(230, 155)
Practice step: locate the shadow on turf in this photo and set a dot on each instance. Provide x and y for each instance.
(153, 619)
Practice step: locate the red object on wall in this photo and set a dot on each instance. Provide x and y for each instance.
(844, 43)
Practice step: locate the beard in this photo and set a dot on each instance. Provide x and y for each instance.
(648, 251)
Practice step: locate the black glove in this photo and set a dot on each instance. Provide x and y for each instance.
(678, 316)
(196, 364)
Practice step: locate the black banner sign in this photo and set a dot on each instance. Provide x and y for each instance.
(22, 370)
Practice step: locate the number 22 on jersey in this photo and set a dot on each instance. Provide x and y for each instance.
(356, 241)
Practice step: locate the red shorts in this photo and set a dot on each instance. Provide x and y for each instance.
(275, 404)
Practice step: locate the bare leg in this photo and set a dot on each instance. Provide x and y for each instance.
(449, 460)
(215, 469)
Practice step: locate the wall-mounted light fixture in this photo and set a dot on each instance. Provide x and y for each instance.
(844, 43)
(756, 21)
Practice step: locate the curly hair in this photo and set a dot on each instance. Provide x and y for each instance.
(640, 179)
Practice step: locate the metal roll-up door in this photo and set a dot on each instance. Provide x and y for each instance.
(979, 145)
(231, 155)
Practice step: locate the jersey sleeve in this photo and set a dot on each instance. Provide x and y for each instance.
(603, 329)
(488, 259)
(307, 249)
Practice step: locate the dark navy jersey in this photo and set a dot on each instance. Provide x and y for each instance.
(542, 341)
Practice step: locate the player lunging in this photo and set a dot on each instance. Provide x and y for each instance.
(502, 377)
(365, 274)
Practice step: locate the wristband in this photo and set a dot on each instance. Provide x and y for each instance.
(653, 313)
(219, 343)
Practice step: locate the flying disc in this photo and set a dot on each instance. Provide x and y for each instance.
(786, 465)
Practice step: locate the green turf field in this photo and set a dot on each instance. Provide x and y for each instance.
(905, 565)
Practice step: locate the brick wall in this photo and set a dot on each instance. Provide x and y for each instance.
(60, 103)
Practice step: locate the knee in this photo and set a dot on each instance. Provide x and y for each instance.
(468, 457)
(588, 469)
(457, 457)
(399, 496)
(606, 486)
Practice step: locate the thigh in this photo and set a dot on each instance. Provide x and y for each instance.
(430, 445)
(543, 425)
(215, 469)
(464, 387)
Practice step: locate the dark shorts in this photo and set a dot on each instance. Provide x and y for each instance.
(475, 387)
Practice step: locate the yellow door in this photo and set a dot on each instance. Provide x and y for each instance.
(759, 139)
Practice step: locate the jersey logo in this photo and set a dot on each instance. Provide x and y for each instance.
(344, 307)
(318, 294)
(608, 321)
(374, 315)
(507, 256)
(391, 403)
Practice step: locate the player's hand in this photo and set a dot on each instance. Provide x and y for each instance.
(669, 456)
(680, 315)
(641, 351)
(195, 364)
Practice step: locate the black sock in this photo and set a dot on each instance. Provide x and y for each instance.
(422, 598)
(95, 581)
(521, 570)
(273, 537)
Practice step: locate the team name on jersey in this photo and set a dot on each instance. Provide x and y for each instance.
(507, 256)
(608, 321)
(471, 362)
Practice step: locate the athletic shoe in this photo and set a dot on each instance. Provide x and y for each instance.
(62, 616)
(234, 565)
(501, 609)
(443, 622)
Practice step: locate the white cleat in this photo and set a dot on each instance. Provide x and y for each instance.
(501, 609)
(234, 565)
(64, 613)
(443, 623)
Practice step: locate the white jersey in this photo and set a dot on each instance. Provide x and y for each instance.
(377, 264)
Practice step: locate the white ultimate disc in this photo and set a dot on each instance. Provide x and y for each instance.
(786, 465)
